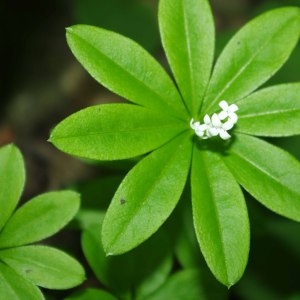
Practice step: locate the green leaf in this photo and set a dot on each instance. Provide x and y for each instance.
(147, 196)
(44, 266)
(123, 273)
(268, 173)
(15, 287)
(125, 68)
(40, 218)
(273, 111)
(187, 31)
(220, 217)
(114, 131)
(253, 55)
(91, 294)
(182, 285)
(12, 179)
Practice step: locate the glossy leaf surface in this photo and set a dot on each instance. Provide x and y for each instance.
(187, 31)
(268, 173)
(125, 68)
(12, 179)
(273, 111)
(114, 131)
(253, 55)
(44, 266)
(220, 217)
(147, 196)
(40, 218)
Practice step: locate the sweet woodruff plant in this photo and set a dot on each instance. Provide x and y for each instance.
(203, 125)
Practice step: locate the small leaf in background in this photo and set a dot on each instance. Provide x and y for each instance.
(220, 217)
(140, 271)
(44, 266)
(249, 59)
(12, 179)
(114, 131)
(273, 111)
(190, 52)
(40, 218)
(15, 287)
(184, 284)
(125, 68)
(147, 196)
(91, 294)
(268, 173)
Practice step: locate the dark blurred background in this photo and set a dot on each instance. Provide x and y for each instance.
(41, 83)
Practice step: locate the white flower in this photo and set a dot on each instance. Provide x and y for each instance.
(228, 111)
(198, 128)
(213, 125)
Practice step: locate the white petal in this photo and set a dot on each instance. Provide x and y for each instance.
(199, 133)
(215, 120)
(228, 125)
(233, 108)
(223, 115)
(212, 131)
(206, 119)
(224, 135)
(224, 105)
(233, 117)
(192, 124)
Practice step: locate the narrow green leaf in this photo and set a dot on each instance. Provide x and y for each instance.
(253, 55)
(182, 285)
(114, 131)
(220, 217)
(187, 30)
(15, 287)
(12, 179)
(40, 218)
(268, 173)
(273, 111)
(147, 196)
(91, 294)
(44, 266)
(125, 68)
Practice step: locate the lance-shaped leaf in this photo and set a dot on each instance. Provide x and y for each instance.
(12, 179)
(147, 196)
(40, 218)
(270, 174)
(187, 31)
(125, 68)
(114, 131)
(253, 55)
(220, 217)
(44, 266)
(273, 111)
(15, 287)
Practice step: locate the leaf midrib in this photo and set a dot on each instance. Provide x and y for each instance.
(119, 132)
(141, 83)
(274, 112)
(149, 191)
(270, 176)
(218, 220)
(246, 65)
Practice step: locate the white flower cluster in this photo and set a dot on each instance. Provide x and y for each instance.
(217, 124)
